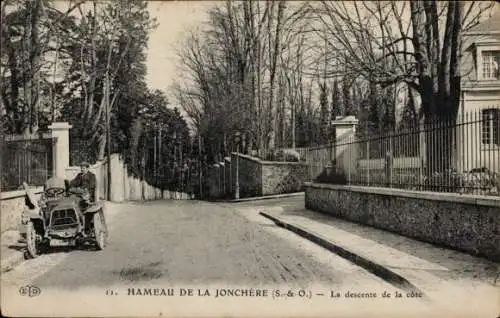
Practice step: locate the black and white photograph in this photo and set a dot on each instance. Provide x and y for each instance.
(253, 158)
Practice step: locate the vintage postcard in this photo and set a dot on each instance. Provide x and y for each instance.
(250, 158)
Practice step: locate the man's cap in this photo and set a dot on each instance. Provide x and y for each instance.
(85, 164)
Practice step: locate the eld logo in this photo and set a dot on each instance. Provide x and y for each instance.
(30, 291)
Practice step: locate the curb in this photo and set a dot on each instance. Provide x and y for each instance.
(11, 262)
(11, 255)
(375, 268)
(267, 197)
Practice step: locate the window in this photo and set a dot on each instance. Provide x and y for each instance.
(491, 61)
(491, 127)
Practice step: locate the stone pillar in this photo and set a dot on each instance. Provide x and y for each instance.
(345, 128)
(342, 125)
(60, 130)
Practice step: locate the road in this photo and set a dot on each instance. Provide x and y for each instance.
(194, 243)
(191, 242)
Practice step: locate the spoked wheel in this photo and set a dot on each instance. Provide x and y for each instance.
(31, 243)
(99, 231)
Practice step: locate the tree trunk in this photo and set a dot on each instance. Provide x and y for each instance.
(293, 126)
(439, 104)
(283, 112)
(270, 138)
(90, 92)
(32, 52)
(14, 82)
(440, 141)
(260, 133)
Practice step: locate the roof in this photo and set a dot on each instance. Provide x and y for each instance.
(492, 25)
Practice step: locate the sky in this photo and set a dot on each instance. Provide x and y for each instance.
(174, 17)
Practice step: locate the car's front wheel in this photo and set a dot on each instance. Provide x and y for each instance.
(99, 231)
(32, 245)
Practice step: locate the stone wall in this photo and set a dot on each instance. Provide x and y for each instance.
(11, 206)
(256, 177)
(249, 175)
(462, 222)
(283, 177)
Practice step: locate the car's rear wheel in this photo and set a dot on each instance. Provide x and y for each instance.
(99, 231)
(32, 245)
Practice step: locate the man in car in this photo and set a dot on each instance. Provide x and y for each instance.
(85, 179)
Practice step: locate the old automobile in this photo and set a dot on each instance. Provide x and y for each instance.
(63, 216)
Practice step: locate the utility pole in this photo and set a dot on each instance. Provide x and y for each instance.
(108, 135)
(327, 128)
(237, 181)
(199, 166)
(174, 172)
(154, 152)
(181, 167)
(159, 150)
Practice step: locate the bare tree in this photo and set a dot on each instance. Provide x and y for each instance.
(416, 43)
(243, 73)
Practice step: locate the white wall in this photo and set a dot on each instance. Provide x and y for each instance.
(124, 187)
(471, 153)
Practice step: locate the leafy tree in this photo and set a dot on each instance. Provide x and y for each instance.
(347, 98)
(308, 123)
(388, 117)
(107, 74)
(160, 144)
(373, 107)
(324, 114)
(336, 103)
(32, 33)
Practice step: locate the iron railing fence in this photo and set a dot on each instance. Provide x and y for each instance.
(26, 159)
(460, 155)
